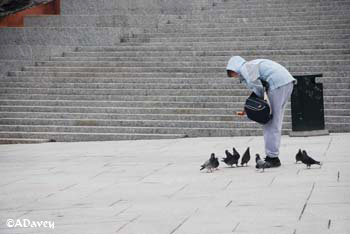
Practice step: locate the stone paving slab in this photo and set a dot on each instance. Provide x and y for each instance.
(155, 187)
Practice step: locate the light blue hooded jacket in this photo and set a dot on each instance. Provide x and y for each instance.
(260, 69)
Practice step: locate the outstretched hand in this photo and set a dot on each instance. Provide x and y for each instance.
(240, 113)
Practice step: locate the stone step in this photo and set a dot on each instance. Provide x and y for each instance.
(84, 118)
(105, 97)
(153, 75)
(235, 8)
(248, 13)
(21, 96)
(149, 21)
(203, 7)
(202, 54)
(332, 38)
(74, 64)
(121, 80)
(334, 120)
(204, 38)
(183, 132)
(334, 81)
(255, 11)
(149, 85)
(171, 70)
(19, 124)
(179, 21)
(338, 127)
(144, 104)
(267, 3)
(254, 22)
(125, 110)
(162, 110)
(245, 30)
(113, 35)
(336, 85)
(21, 54)
(337, 112)
(134, 123)
(331, 115)
(102, 21)
(88, 136)
(140, 92)
(241, 19)
(70, 36)
(5, 141)
(109, 7)
(150, 92)
(300, 4)
(299, 58)
(120, 85)
(121, 74)
(330, 82)
(268, 45)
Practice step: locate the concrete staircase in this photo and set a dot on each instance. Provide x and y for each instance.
(169, 80)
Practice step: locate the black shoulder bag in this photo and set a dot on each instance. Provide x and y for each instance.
(258, 109)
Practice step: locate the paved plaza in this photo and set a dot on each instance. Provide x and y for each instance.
(155, 187)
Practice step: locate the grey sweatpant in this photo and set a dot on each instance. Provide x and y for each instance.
(272, 130)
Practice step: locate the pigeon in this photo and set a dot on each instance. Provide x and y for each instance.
(245, 158)
(216, 163)
(210, 163)
(236, 155)
(260, 164)
(308, 161)
(231, 158)
(298, 156)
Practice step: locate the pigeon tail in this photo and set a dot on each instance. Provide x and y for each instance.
(298, 156)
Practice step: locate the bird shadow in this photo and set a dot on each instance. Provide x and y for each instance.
(267, 170)
(311, 168)
(228, 167)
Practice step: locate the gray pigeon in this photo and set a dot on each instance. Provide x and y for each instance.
(298, 156)
(210, 164)
(308, 161)
(245, 158)
(260, 164)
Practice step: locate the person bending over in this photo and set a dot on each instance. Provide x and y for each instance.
(280, 86)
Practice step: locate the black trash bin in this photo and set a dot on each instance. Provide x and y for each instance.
(307, 106)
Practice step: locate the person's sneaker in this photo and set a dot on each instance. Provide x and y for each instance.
(273, 162)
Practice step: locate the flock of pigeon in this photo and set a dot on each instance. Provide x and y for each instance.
(232, 159)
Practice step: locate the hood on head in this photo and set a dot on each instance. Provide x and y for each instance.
(235, 63)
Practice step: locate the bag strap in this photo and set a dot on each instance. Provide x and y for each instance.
(264, 84)
(266, 97)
